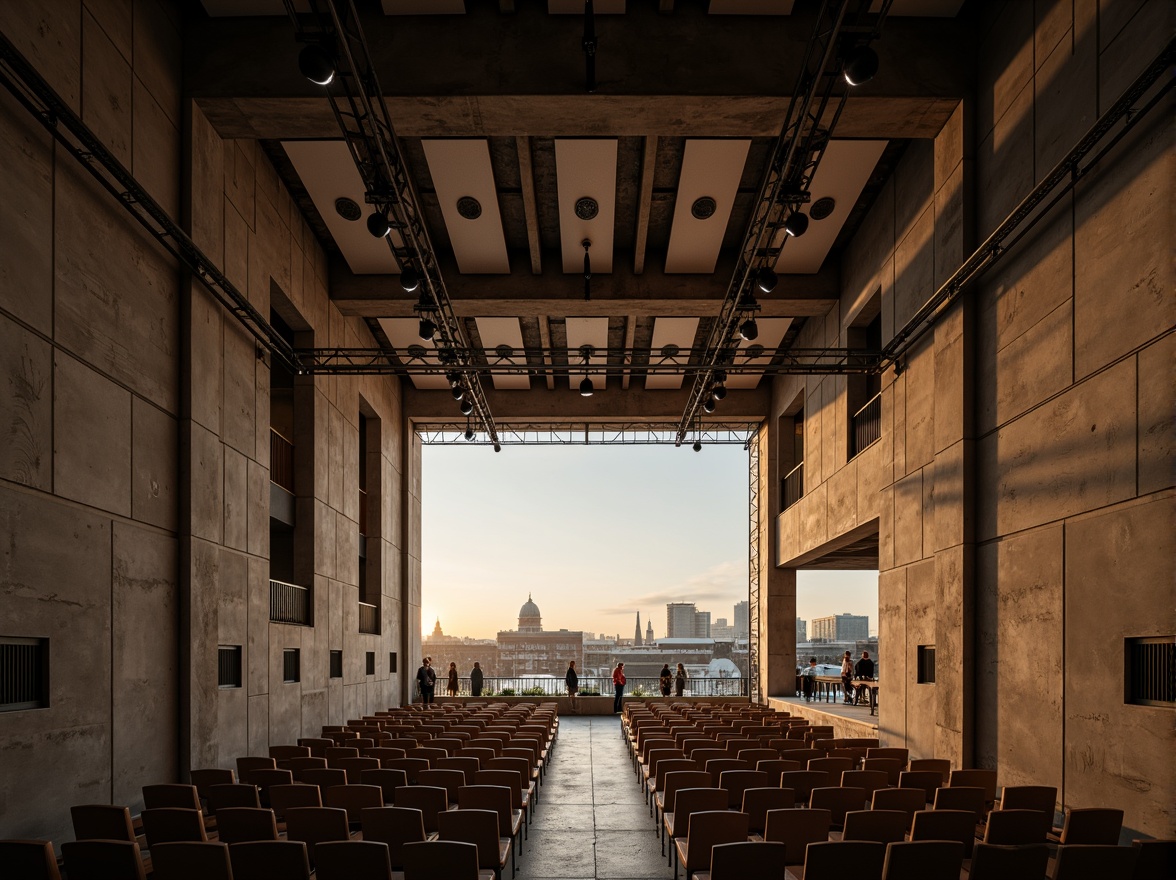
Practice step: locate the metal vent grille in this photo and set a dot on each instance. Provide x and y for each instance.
(24, 674)
(228, 666)
(1150, 667)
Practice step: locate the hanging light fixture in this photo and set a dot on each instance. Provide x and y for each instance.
(469, 431)
(587, 243)
(316, 65)
(709, 405)
(410, 279)
(766, 280)
(749, 330)
(427, 329)
(458, 392)
(719, 392)
(861, 65)
(466, 407)
(586, 388)
(797, 224)
(378, 225)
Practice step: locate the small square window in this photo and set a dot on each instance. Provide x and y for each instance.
(925, 667)
(371, 662)
(228, 666)
(24, 674)
(336, 664)
(391, 661)
(291, 665)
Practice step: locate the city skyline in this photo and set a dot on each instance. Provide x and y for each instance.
(483, 536)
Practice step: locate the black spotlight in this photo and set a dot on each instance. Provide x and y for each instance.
(453, 379)
(861, 65)
(720, 376)
(378, 225)
(427, 329)
(316, 65)
(766, 280)
(749, 330)
(466, 407)
(458, 392)
(719, 392)
(709, 406)
(698, 446)
(586, 387)
(797, 224)
(469, 435)
(410, 279)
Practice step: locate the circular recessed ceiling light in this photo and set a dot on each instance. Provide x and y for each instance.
(703, 208)
(587, 208)
(469, 207)
(347, 208)
(822, 208)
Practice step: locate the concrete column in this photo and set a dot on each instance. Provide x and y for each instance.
(777, 608)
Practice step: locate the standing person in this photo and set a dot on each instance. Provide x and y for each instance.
(680, 680)
(847, 676)
(865, 672)
(451, 684)
(422, 678)
(619, 687)
(431, 679)
(571, 680)
(476, 680)
(808, 678)
(665, 679)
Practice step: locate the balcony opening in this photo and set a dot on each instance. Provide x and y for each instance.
(791, 452)
(864, 392)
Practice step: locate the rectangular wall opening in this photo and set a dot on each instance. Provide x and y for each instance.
(925, 664)
(291, 665)
(1150, 671)
(228, 666)
(24, 674)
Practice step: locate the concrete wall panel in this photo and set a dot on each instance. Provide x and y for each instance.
(921, 699)
(892, 664)
(106, 89)
(26, 406)
(154, 465)
(236, 500)
(1157, 418)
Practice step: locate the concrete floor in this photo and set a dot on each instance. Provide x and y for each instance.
(591, 821)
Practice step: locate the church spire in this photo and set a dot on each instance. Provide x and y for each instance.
(637, 631)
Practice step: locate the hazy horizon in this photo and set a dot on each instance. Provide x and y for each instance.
(537, 521)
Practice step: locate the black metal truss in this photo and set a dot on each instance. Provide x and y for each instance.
(813, 111)
(362, 115)
(67, 128)
(487, 361)
(588, 434)
(1063, 178)
(756, 559)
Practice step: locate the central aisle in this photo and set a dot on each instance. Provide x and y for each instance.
(592, 821)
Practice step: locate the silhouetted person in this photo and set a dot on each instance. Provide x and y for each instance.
(424, 681)
(451, 683)
(571, 680)
(865, 672)
(847, 676)
(680, 680)
(476, 680)
(808, 678)
(619, 687)
(665, 680)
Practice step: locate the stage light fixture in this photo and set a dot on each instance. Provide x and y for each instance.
(698, 446)
(861, 65)
(458, 392)
(719, 392)
(466, 407)
(586, 388)
(378, 225)
(709, 405)
(749, 330)
(427, 329)
(766, 280)
(797, 224)
(316, 65)
(410, 279)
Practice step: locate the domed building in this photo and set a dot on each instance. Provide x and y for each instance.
(531, 650)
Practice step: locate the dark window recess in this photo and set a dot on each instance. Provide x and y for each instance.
(228, 666)
(371, 662)
(336, 664)
(926, 665)
(24, 674)
(1150, 671)
(391, 661)
(291, 665)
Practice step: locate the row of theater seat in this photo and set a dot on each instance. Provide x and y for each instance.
(295, 811)
(722, 784)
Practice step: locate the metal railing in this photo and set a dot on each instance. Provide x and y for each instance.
(289, 603)
(281, 461)
(549, 686)
(867, 424)
(793, 487)
(369, 618)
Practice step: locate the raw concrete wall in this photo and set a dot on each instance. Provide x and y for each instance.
(89, 400)
(134, 469)
(1023, 484)
(243, 217)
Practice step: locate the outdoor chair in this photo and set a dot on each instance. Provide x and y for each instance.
(1157, 860)
(1092, 825)
(687, 802)
(1016, 828)
(247, 765)
(479, 827)
(707, 829)
(429, 799)
(102, 822)
(283, 797)
(838, 801)
(353, 799)
(909, 800)
(880, 826)
(205, 778)
(496, 798)
(842, 859)
(236, 794)
(868, 780)
(351, 860)
(946, 825)
(271, 859)
(266, 779)
(961, 797)
(103, 859)
(387, 779)
(923, 860)
(928, 781)
(313, 825)
(450, 780)
(757, 802)
(744, 861)
(833, 766)
(244, 824)
(354, 768)
(335, 754)
(184, 797)
(991, 862)
(942, 766)
(393, 827)
(775, 766)
(796, 829)
(443, 860)
(29, 859)
(735, 782)
(165, 824)
(513, 780)
(410, 766)
(892, 767)
(285, 753)
(1092, 862)
(325, 777)
(298, 766)
(985, 779)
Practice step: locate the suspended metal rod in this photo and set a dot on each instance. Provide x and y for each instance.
(1063, 178)
(819, 95)
(488, 361)
(589, 45)
(67, 128)
(358, 103)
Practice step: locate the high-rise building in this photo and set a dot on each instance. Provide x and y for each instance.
(649, 631)
(741, 620)
(702, 628)
(680, 620)
(841, 628)
(722, 631)
(801, 630)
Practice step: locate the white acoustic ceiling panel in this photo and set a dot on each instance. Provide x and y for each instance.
(670, 335)
(461, 171)
(750, 7)
(586, 169)
(501, 334)
(402, 333)
(328, 173)
(587, 331)
(843, 172)
(576, 7)
(711, 170)
(771, 331)
(423, 7)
